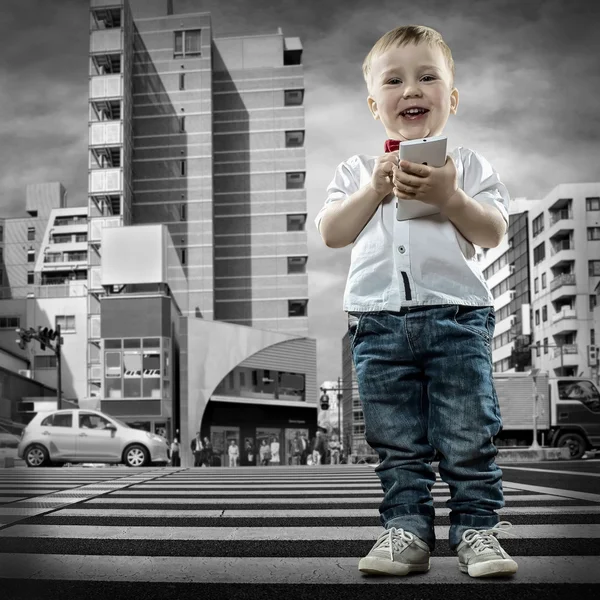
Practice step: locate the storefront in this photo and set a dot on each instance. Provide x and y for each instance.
(265, 434)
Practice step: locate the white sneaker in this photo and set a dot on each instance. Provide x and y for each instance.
(396, 552)
(481, 555)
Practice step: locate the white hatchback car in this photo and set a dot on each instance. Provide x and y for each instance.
(87, 436)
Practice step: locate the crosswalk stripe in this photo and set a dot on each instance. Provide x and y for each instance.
(271, 513)
(266, 533)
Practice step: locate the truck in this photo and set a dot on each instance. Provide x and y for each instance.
(563, 411)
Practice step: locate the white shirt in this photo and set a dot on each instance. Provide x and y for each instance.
(416, 262)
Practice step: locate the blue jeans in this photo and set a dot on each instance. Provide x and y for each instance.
(425, 382)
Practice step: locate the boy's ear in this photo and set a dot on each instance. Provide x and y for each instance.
(454, 101)
(373, 107)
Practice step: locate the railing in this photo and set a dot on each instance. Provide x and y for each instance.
(560, 215)
(64, 221)
(562, 245)
(565, 313)
(564, 279)
(565, 349)
(63, 290)
(66, 257)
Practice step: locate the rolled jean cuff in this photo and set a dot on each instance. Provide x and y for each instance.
(417, 524)
(460, 522)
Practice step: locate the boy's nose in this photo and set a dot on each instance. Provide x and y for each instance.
(412, 90)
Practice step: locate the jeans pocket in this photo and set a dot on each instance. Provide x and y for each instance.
(476, 319)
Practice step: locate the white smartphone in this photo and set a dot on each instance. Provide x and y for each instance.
(426, 151)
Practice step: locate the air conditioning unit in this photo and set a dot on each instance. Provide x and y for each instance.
(511, 293)
(511, 268)
(512, 321)
(25, 373)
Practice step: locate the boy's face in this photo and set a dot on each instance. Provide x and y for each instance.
(415, 75)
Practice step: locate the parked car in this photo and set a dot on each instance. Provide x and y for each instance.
(88, 436)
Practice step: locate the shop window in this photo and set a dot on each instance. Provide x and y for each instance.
(152, 373)
(132, 374)
(297, 308)
(294, 180)
(291, 386)
(296, 222)
(187, 43)
(296, 264)
(293, 97)
(112, 375)
(294, 139)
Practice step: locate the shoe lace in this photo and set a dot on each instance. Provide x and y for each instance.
(484, 539)
(394, 540)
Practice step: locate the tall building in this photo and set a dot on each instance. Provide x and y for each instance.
(197, 287)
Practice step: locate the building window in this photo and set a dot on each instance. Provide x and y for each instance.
(183, 256)
(1, 276)
(593, 302)
(66, 322)
(181, 124)
(183, 212)
(10, 322)
(538, 225)
(132, 374)
(536, 286)
(593, 337)
(296, 222)
(593, 233)
(294, 139)
(293, 97)
(544, 313)
(537, 317)
(1, 233)
(44, 362)
(187, 43)
(594, 268)
(545, 345)
(30, 256)
(1, 254)
(296, 264)
(294, 180)
(592, 204)
(539, 253)
(31, 233)
(30, 277)
(543, 281)
(297, 308)
(182, 168)
(182, 81)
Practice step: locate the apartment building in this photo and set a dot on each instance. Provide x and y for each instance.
(197, 213)
(565, 272)
(44, 274)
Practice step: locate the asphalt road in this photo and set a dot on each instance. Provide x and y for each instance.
(274, 533)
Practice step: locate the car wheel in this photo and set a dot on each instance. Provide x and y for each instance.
(574, 442)
(136, 456)
(36, 456)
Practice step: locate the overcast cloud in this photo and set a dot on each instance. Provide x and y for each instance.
(527, 72)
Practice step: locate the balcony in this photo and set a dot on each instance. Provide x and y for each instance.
(108, 133)
(104, 3)
(562, 286)
(106, 86)
(105, 180)
(562, 253)
(564, 313)
(564, 322)
(560, 215)
(106, 40)
(566, 355)
(61, 290)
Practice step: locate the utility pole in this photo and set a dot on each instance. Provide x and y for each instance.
(534, 445)
(339, 407)
(45, 336)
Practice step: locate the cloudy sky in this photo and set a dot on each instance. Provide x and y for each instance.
(527, 72)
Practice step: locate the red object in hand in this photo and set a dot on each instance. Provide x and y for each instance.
(391, 145)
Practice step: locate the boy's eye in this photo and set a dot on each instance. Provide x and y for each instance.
(394, 80)
(428, 77)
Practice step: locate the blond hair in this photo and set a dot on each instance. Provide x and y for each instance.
(402, 36)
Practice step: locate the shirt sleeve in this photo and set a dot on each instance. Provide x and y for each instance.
(482, 182)
(343, 184)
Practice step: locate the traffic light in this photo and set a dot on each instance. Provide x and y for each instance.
(24, 337)
(324, 401)
(592, 356)
(45, 336)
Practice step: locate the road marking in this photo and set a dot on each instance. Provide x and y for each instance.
(556, 492)
(266, 500)
(532, 470)
(276, 570)
(557, 531)
(289, 513)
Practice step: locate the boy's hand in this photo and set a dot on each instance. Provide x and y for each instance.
(381, 180)
(433, 185)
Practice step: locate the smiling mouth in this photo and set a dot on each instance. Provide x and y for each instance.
(414, 112)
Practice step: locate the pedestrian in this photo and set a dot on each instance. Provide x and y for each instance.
(264, 453)
(249, 449)
(314, 447)
(197, 449)
(334, 449)
(275, 451)
(305, 449)
(175, 450)
(207, 455)
(234, 453)
(296, 449)
(420, 313)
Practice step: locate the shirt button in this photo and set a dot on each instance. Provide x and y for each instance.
(401, 249)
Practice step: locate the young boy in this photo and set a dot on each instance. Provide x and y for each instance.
(421, 316)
